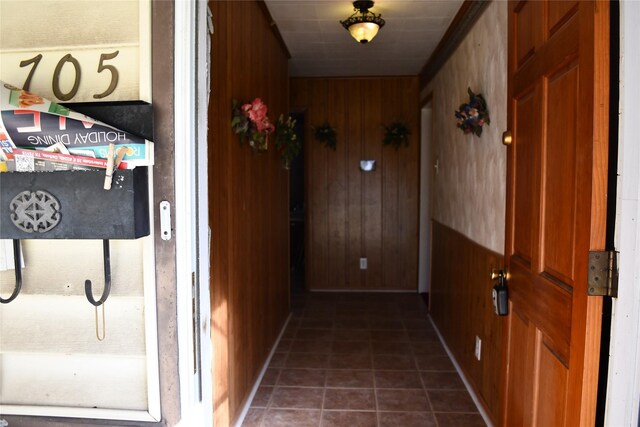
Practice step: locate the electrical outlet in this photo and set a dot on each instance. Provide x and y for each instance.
(478, 351)
(363, 263)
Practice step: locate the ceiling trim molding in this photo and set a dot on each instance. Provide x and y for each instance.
(467, 15)
(274, 27)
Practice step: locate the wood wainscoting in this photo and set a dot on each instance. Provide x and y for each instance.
(248, 205)
(462, 308)
(352, 214)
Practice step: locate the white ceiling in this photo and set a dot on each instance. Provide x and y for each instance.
(320, 46)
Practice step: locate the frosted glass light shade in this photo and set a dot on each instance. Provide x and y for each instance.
(364, 32)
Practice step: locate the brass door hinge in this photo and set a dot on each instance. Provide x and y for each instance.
(603, 273)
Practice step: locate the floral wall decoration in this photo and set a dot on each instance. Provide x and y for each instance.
(287, 141)
(473, 115)
(251, 123)
(396, 134)
(326, 135)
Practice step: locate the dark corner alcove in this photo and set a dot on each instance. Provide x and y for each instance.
(297, 211)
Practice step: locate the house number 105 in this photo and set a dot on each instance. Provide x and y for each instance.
(68, 58)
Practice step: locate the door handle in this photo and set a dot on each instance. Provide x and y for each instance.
(507, 137)
(497, 274)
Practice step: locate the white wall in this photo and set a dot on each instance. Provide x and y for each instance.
(470, 188)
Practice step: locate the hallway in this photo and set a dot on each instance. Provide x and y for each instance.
(358, 360)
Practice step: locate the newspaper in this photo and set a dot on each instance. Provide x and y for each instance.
(28, 121)
(44, 161)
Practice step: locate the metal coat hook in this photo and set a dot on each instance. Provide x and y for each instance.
(107, 278)
(17, 259)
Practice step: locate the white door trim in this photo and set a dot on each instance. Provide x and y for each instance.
(191, 211)
(424, 249)
(623, 389)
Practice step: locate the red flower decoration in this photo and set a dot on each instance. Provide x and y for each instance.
(250, 121)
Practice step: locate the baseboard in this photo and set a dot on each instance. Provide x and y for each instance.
(466, 382)
(247, 403)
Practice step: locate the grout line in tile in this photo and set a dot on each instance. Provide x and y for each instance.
(268, 405)
(278, 376)
(424, 390)
(375, 388)
(324, 395)
(400, 388)
(264, 416)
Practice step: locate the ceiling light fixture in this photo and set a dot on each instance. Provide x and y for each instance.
(363, 24)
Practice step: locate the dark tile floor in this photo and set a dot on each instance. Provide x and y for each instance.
(359, 360)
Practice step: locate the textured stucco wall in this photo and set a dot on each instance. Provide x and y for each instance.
(469, 189)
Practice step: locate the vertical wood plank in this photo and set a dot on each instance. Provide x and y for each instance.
(317, 273)
(408, 184)
(372, 121)
(337, 167)
(220, 245)
(392, 271)
(353, 141)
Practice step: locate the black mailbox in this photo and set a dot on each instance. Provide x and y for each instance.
(74, 205)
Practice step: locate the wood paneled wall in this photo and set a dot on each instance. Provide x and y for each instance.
(461, 307)
(351, 214)
(249, 206)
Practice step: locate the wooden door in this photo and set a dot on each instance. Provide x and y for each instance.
(558, 113)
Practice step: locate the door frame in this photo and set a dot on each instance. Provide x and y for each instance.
(191, 99)
(623, 388)
(425, 194)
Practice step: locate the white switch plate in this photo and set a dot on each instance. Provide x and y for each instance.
(363, 263)
(478, 351)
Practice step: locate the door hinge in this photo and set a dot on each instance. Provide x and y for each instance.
(603, 273)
